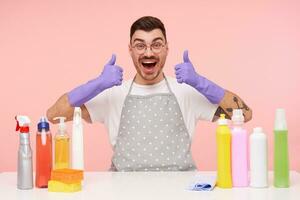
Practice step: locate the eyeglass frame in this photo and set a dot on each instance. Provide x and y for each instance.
(148, 46)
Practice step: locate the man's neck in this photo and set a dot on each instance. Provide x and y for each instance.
(140, 80)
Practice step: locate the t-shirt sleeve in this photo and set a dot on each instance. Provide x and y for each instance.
(204, 110)
(98, 107)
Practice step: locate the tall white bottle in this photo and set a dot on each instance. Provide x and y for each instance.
(258, 159)
(77, 141)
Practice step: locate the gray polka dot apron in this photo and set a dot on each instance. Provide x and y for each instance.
(152, 135)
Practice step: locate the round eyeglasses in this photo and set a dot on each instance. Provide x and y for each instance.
(155, 47)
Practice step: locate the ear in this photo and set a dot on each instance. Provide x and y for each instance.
(167, 47)
(129, 49)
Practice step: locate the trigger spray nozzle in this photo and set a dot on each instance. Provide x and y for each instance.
(22, 123)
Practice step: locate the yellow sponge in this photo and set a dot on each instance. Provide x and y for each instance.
(57, 186)
(67, 175)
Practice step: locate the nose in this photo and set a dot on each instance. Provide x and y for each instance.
(148, 52)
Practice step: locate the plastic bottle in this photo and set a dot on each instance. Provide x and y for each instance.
(24, 173)
(239, 150)
(224, 159)
(43, 154)
(77, 141)
(258, 159)
(62, 158)
(281, 157)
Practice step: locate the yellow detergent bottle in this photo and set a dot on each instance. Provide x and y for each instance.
(62, 157)
(224, 179)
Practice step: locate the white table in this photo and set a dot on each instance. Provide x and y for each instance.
(147, 185)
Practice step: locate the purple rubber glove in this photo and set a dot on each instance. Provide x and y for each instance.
(185, 73)
(112, 75)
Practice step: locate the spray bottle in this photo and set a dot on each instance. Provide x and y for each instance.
(25, 174)
(43, 154)
(239, 150)
(258, 159)
(62, 158)
(223, 149)
(77, 141)
(281, 157)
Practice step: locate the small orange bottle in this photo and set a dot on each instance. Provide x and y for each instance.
(43, 154)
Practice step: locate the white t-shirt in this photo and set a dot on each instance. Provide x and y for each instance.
(106, 107)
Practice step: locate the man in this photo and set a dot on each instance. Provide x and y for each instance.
(150, 119)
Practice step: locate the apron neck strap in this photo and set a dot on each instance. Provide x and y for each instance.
(169, 88)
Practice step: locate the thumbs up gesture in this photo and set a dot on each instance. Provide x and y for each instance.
(185, 72)
(112, 75)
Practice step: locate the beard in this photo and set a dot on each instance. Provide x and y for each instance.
(149, 77)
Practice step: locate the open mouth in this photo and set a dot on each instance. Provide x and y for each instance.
(149, 66)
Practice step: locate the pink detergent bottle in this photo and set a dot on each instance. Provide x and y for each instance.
(239, 150)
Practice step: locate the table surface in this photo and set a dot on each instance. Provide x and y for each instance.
(148, 185)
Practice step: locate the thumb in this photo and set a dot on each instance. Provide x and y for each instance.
(186, 56)
(112, 61)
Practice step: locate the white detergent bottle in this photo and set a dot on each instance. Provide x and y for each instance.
(77, 141)
(258, 159)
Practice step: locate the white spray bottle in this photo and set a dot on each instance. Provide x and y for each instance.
(77, 141)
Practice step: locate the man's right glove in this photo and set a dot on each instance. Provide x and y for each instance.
(112, 75)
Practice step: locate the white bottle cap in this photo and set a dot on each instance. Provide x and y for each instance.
(237, 117)
(222, 120)
(77, 116)
(280, 120)
(257, 130)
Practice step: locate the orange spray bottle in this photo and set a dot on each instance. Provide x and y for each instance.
(43, 154)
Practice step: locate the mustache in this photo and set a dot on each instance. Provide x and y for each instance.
(146, 57)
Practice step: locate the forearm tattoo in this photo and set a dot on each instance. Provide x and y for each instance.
(220, 111)
(229, 111)
(237, 102)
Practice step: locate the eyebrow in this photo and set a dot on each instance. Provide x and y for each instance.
(141, 40)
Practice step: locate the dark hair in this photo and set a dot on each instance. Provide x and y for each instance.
(147, 23)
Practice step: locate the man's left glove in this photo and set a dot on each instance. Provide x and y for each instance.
(185, 73)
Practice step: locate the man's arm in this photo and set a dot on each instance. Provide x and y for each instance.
(63, 108)
(112, 75)
(229, 102)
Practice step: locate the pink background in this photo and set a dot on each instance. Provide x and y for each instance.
(49, 47)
